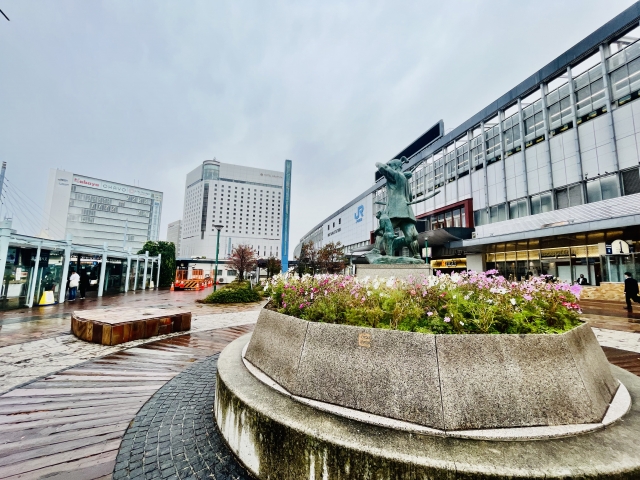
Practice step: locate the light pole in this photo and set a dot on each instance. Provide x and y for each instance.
(215, 275)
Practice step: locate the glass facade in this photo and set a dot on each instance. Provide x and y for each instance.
(566, 258)
(18, 274)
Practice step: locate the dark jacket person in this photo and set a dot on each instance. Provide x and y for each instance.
(630, 290)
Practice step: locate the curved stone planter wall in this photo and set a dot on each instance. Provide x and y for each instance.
(448, 382)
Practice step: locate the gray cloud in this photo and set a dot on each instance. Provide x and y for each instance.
(147, 90)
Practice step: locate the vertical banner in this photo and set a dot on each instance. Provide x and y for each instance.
(285, 215)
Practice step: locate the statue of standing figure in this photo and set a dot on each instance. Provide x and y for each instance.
(398, 209)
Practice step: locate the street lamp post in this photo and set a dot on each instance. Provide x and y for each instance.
(215, 275)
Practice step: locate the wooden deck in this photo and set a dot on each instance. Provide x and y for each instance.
(69, 425)
(628, 360)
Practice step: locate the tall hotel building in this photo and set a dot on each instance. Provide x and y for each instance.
(544, 180)
(94, 212)
(246, 201)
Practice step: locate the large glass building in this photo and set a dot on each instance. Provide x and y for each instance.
(544, 180)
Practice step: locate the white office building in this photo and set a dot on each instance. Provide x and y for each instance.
(94, 212)
(246, 201)
(174, 233)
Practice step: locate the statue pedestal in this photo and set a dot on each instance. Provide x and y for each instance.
(397, 271)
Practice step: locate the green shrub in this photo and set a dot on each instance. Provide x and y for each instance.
(235, 294)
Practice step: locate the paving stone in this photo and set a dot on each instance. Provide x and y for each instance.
(193, 450)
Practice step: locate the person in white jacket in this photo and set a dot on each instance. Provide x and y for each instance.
(74, 281)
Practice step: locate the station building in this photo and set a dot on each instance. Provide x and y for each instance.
(544, 180)
(245, 201)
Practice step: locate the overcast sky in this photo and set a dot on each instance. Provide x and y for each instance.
(145, 91)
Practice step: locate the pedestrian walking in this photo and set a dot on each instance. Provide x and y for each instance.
(630, 290)
(582, 280)
(74, 281)
(84, 284)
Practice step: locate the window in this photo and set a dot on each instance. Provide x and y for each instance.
(476, 153)
(493, 146)
(497, 213)
(511, 128)
(569, 196)
(480, 217)
(533, 122)
(631, 181)
(518, 208)
(450, 166)
(462, 158)
(559, 107)
(602, 188)
(439, 171)
(210, 172)
(590, 94)
(429, 178)
(541, 203)
(625, 71)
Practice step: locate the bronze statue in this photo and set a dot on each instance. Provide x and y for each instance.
(397, 213)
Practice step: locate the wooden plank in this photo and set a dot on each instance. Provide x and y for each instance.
(84, 468)
(56, 429)
(68, 412)
(51, 399)
(58, 458)
(50, 421)
(105, 402)
(24, 445)
(32, 392)
(56, 448)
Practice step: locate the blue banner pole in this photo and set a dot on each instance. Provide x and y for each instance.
(285, 216)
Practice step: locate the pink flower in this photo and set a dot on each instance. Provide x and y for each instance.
(429, 314)
(284, 305)
(413, 292)
(447, 319)
(528, 298)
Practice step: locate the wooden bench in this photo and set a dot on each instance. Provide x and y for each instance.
(118, 325)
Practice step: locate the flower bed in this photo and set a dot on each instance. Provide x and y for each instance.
(468, 302)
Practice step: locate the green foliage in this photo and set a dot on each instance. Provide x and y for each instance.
(235, 292)
(167, 262)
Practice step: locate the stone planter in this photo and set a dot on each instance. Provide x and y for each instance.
(445, 382)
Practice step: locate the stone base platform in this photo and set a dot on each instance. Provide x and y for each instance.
(118, 325)
(397, 271)
(275, 436)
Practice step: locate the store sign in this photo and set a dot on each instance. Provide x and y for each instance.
(617, 247)
(115, 187)
(359, 215)
(449, 263)
(334, 232)
(63, 182)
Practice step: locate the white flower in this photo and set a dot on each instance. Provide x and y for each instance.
(462, 323)
(513, 301)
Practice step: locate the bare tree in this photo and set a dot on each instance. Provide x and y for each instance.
(243, 259)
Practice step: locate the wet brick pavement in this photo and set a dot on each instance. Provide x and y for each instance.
(174, 435)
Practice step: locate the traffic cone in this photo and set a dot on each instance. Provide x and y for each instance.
(172, 287)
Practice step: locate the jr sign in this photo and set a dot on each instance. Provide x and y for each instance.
(359, 215)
